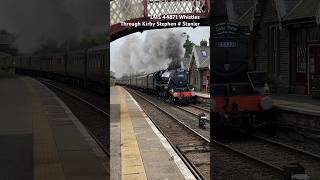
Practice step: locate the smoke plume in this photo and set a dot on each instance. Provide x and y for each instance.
(156, 51)
(36, 21)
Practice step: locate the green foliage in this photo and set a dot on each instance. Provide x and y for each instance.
(188, 45)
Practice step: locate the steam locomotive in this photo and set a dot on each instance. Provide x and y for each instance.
(169, 84)
(240, 94)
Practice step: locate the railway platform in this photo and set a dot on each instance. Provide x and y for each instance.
(41, 139)
(138, 150)
(301, 113)
(202, 97)
(297, 103)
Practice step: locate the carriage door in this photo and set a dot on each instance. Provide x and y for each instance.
(314, 60)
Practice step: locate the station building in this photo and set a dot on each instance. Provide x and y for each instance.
(199, 67)
(285, 42)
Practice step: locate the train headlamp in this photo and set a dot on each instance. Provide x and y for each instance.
(266, 103)
(175, 94)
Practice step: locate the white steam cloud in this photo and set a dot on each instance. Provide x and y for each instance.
(154, 52)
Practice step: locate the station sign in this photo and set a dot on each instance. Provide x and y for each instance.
(226, 28)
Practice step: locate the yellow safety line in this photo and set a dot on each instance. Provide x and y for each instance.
(46, 161)
(132, 167)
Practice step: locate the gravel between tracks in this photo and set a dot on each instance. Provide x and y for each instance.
(228, 165)
(276, 155)
(294, 139)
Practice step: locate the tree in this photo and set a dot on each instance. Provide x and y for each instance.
(188, 45)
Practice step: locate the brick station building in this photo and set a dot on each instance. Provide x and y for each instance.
(285, 42)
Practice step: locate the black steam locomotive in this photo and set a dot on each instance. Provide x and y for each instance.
(239, 92)
(171, 84)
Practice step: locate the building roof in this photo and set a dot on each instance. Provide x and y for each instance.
(241, 11)
(201, 54)
(285, 6)
(247, 18)
(242, 6)
(281, 7)
(304, 9)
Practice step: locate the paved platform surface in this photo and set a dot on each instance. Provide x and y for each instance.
(138, 150)
(41, 139)
(203, 95)
(297, 103)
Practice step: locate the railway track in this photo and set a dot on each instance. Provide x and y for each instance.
(184, 116)
(285, 155)
(192, 146)
(195, 111)
(276, 154)
(203, 108)
(91, 116)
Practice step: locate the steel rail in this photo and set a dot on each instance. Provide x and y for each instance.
(201, 108)
(193, 114)
(88, 104)
(306, 153)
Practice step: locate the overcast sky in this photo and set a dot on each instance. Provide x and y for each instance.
(196, 35)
